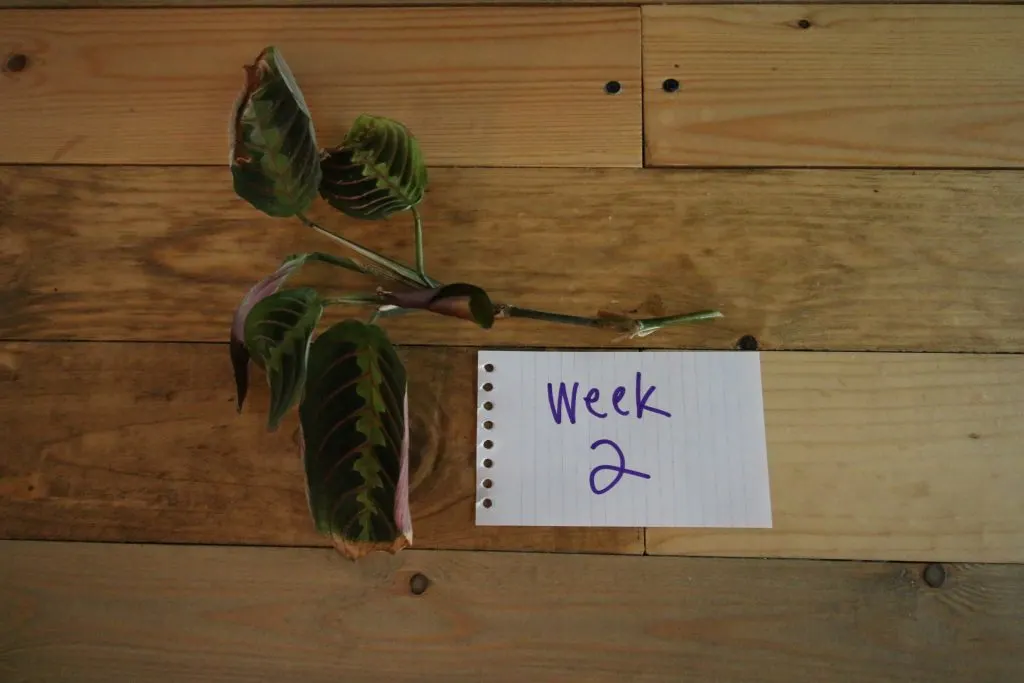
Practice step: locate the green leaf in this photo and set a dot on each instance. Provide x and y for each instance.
(356, 440)
(262, 289)
(275, 161)
(278, 331)
(377, 171)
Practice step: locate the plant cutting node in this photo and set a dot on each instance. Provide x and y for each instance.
(418, 584)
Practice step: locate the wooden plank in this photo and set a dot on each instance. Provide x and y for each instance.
(124, 442)
(853, 86)
(478, 86)
(841, 260)
(226, 614)
(871, 456)
(71, 4)
(879, 456)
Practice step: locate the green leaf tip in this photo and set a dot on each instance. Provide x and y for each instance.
(274, 157)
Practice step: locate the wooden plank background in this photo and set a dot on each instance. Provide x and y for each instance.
(501, 86)
(123, 252)
(871, 456)
(860, 86)
(216, 614)
(855, 260)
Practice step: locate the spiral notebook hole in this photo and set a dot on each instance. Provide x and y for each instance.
(488, 463)
(487, 483)
(488, 444)
(488, 425)
(489, 367)
(487, 502)
(488, 405)
(488, 386)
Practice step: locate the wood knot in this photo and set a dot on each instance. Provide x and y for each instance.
(747, 342)
(934, 575)
(418, 584)
(16, 62)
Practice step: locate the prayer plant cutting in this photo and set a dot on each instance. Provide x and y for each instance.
(347, 380)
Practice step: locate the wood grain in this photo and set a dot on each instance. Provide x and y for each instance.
(142, 442)
(860, 86)
(841, 260)
(871, 456)
(478, 86)
(226, 614)
(885, 456)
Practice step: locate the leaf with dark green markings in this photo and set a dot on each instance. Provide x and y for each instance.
(258, 292)
(377, 171)
(275, 160)
(355, 440)
(459, 300)
(278, 331)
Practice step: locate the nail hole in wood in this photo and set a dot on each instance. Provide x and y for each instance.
(670, 85)
(935, 575)
(16, 62)
(613, 87)
(418, 584)
(747, 342)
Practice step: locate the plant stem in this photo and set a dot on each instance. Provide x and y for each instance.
(420, 257)
(352, 299)
(395, 269)
(635, 327)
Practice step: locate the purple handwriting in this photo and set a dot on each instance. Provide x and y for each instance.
(564, 404)
(619, 469)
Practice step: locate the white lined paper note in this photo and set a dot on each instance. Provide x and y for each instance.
(689, 426)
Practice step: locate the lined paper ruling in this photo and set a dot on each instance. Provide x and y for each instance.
(621, 438)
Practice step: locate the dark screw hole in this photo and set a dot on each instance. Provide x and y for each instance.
(488, 463)
(488, 425)
(612, 87)
(488, 444)
(418, 584)
(488, 405)
(489, 367)
(487, 502)
(935, 575)
(488, 386)
(16, 62)
(747, 342)
(804, 23)
(488, 483)
(670, 85)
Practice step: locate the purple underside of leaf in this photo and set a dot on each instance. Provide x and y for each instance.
(403, 518)
(455, 300)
